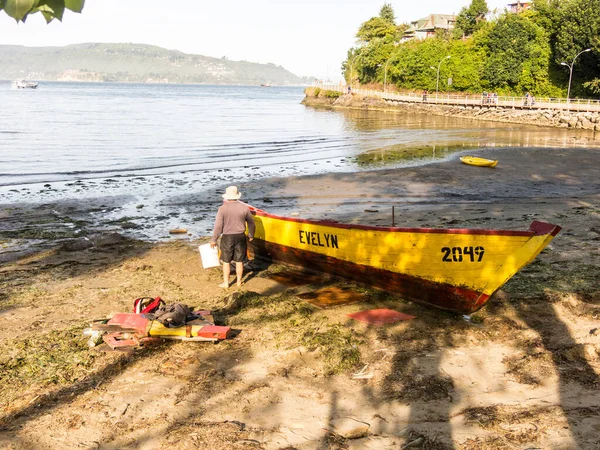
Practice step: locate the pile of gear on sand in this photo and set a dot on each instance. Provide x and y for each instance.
(152, 320)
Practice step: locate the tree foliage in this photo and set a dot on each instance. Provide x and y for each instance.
(376, 28)
(350, 66)
(387, 13)
(547, 15)
(469, 18)
(379, 27)
(508, 46)
(509, 53)
(50, 9)
(579, 29)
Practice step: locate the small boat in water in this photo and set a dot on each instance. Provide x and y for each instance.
(453, 269)
(23, 84)
(476, 161)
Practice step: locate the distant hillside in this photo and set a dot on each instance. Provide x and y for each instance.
(134, 63)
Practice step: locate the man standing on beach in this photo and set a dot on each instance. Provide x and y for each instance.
(230, 224)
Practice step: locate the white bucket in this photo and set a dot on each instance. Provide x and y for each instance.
(209, 256)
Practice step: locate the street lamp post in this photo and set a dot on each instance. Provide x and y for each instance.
(350, 73)
(437, 83)
(570, 66)
(385, 74)
(350, 81)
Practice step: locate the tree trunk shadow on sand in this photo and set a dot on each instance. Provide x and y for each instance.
(570, 365)
(417, 380)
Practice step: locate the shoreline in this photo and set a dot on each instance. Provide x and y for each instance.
(549, 118)
(520, 180)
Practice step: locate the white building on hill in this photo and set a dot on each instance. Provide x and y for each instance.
(427, 26)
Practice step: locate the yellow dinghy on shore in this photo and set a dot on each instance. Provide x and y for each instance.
(476, 161)
(455, 269)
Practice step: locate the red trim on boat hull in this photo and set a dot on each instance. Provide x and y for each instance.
(445, 296)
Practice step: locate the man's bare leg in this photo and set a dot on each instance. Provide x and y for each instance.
(239, 271)
(226, 271)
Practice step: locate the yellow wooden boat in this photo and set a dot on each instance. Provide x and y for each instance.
(476, 161)
(454, 269)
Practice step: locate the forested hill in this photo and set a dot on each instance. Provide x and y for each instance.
(134, 63)
(549, 48)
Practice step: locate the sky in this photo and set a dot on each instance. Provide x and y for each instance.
(308, 38)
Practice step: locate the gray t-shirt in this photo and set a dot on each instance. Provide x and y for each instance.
(231, 219)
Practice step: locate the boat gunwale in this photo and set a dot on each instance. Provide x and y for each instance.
(536, 228)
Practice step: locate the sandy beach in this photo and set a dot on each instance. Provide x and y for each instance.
(524, 372)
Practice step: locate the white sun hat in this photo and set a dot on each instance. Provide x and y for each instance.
(231, 193)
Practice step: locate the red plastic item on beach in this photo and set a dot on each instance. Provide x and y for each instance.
(214, 332)
(130, 321)
(145, 305)
(126, 340)
(380, 316)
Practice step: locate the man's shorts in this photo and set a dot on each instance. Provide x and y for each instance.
(233, 248)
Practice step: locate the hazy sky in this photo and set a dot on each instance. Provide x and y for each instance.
(307, 37)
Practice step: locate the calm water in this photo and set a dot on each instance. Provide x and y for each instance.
(149, 144)
(71, 131)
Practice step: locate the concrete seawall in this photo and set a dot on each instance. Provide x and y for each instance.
(541, 117)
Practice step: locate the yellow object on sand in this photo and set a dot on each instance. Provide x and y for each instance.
(476, 161)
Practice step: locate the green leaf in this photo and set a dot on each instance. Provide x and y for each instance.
(74, 5)
(18, 9)
(51, 9)
(48, 16)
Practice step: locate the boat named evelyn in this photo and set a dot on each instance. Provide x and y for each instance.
(453, 269)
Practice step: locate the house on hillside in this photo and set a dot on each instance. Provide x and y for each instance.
(520, 6)
(427, 26)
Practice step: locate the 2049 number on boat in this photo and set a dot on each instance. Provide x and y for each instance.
(460, 254)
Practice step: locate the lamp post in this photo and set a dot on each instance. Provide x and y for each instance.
(437, 83)
(570, 66)
(350, 73)
(351, 64)
(385, 74)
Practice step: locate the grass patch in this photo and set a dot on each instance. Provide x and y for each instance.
(329, 94)
(22, 296)
(401, 152)
(38, 233)
(516, 426)
(294, 322)
(55, 358)
(530, 368)
(255, 309)
(539, 277)
(338, 345)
